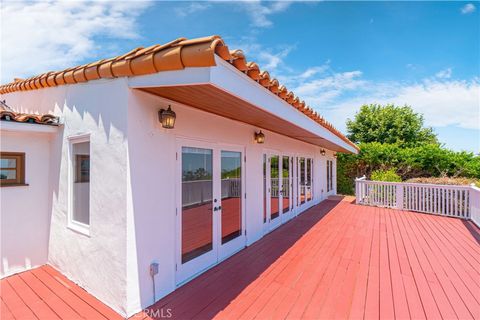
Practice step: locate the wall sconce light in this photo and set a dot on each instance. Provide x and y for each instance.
(167, 117)
(335, 155)
(323, 152)
(259, 137)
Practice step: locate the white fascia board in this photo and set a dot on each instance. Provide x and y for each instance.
(12, 126)
(228, 78)
(182, 77)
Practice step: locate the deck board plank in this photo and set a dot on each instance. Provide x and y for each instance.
(5, 312)
(14, 303)
(35, 303)
(438, 265)
(459, 265)
(105, 310)
(400, 300)
(421, 251)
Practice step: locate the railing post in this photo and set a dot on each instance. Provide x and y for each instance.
(399, 196)
(357, 193)
(475, 204)
(358, 189)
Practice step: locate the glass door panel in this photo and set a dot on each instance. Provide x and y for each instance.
(309, 180)
(197, 191)
(297, 182)
(286, 184)
(231, 188)
(302, 180)
(265, 190)
(274, 187)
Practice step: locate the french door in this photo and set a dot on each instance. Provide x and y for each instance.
(210, 205)
(304, 182)
(287, 170)
(277, 189)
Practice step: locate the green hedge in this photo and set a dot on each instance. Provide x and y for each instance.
(428, 160)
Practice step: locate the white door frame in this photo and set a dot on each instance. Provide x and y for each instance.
(231, 247)
(270, 224)
(290, 214)
(219, 252)
(300, 208)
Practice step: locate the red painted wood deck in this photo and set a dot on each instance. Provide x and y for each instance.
(44, 293)
(335, 261)
(339, 261)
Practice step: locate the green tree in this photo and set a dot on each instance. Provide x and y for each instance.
(386, 175)
(389, 124)
(394, 139)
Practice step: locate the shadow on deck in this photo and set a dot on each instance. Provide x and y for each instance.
(208, 294)
(339, 260)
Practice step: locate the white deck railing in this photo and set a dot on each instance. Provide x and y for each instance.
(447, 200)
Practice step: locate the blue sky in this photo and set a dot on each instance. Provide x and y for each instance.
(334, 55)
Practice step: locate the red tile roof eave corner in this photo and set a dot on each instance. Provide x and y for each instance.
(175, 55)
(9, 115)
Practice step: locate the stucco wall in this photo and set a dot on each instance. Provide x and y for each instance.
(25, 210)
(132, 183)
(152, 163)
(99, 108)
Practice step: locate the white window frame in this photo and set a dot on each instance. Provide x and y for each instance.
(71, 223)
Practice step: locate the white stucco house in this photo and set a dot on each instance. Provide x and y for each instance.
(174, 157)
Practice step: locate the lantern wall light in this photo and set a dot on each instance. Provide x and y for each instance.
(323, 152)
(167, 118)
(259, 137)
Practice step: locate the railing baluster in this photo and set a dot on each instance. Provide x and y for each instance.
(444, 198)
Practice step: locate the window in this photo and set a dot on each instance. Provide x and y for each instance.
(79, 200)
(12, 169)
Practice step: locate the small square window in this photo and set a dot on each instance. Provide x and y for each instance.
(12, 168)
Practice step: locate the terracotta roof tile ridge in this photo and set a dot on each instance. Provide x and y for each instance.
(174, 55)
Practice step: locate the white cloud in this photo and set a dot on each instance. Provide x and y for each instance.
(271, 61)
(444, 74)
(310, 72)
(191, 8)
(339, 95)
(260, 13)
(468, 8)
(42, 36)
(442, 102)
(331, 86)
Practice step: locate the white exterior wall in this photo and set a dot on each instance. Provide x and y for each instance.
(132, 184)
(96, 262)
(151, 214)
(25, 218)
